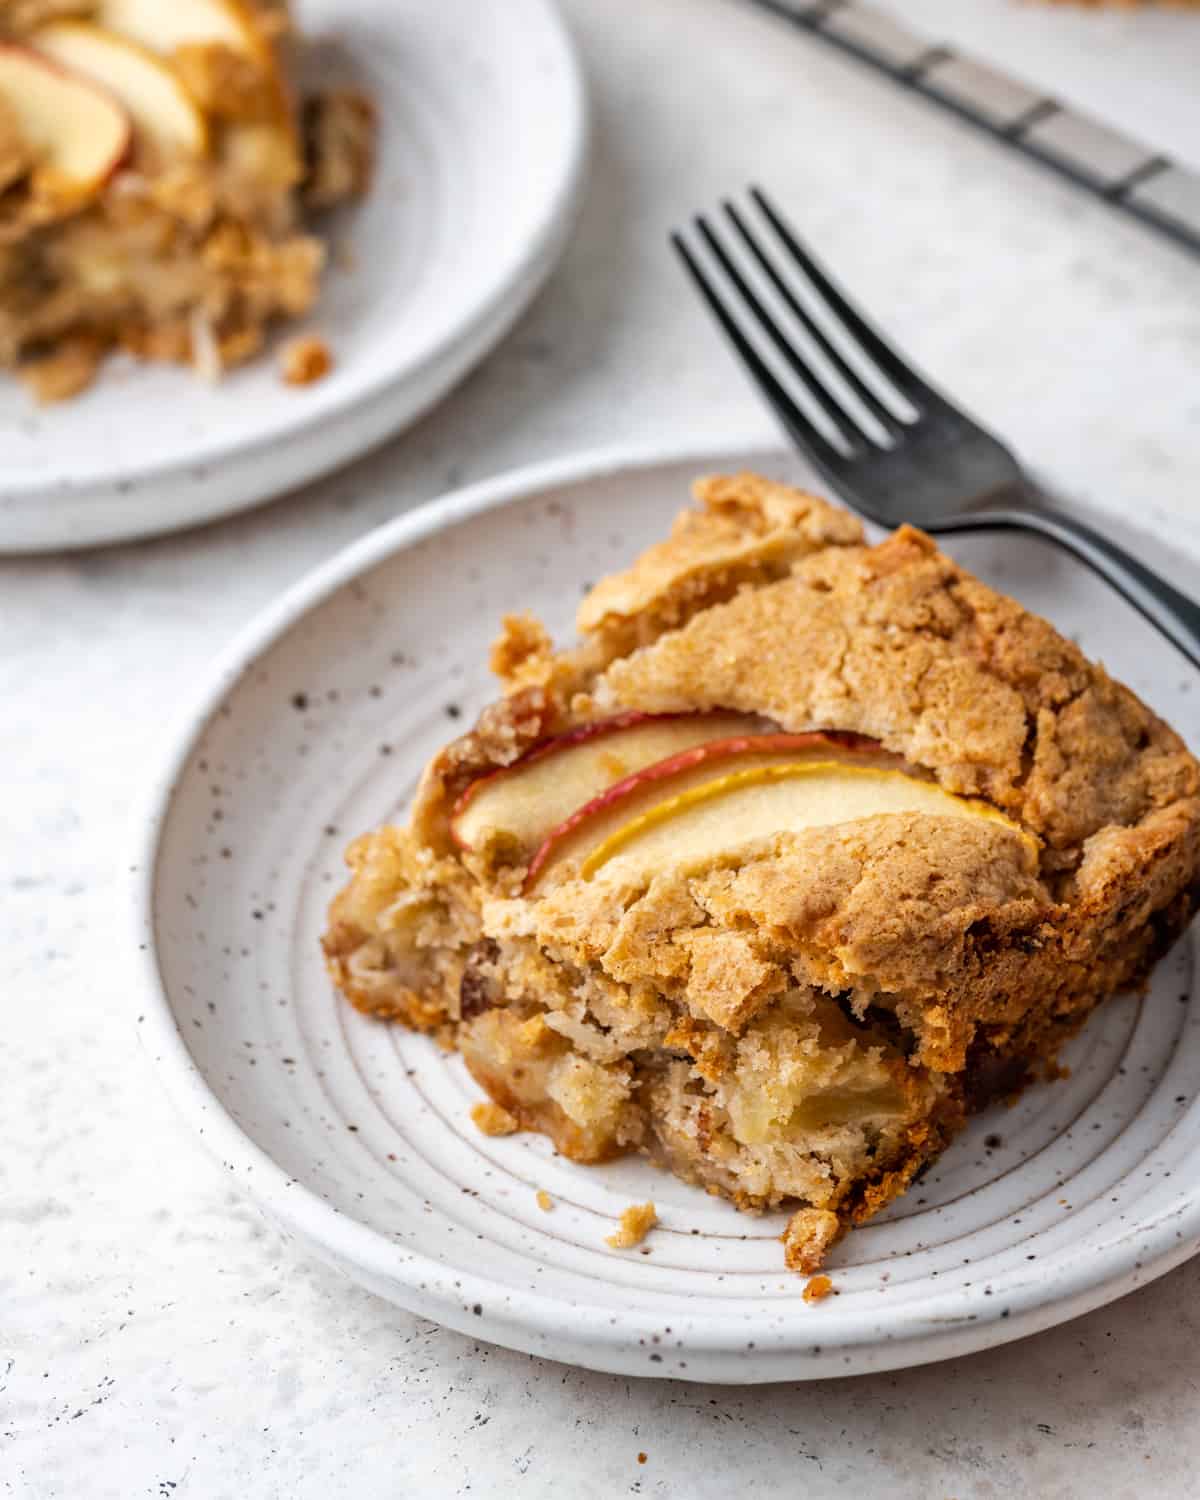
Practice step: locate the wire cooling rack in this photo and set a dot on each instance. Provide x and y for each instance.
(1146, 185)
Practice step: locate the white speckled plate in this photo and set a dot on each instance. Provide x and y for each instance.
(482, 148)
(354, 1136)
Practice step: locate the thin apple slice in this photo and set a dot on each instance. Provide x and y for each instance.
(164, 25)
(755, 802)
(713, 791)
(164, 115)
(592, 822)
(81, 132)
(508, 813)
(267, 149)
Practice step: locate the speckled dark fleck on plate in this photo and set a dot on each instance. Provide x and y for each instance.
(354, 1135)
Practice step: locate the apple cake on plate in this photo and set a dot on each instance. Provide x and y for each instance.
(157, 178)
(806, 850)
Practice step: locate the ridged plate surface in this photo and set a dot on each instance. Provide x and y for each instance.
(355, 1135)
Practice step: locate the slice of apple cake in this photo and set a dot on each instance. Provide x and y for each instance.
(806, 850)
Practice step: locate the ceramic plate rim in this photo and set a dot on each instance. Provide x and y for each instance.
(967, 1321)
(512, 284)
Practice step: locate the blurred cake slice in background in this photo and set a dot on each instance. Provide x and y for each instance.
(158, 177)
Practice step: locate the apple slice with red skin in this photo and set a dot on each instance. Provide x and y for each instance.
(507, 813)
(163, 112)
(81, 132)
(598, 819)
(757, 801)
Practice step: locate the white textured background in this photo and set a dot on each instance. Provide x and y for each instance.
(156, 1338)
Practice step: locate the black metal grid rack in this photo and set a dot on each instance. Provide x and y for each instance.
(1149, 187)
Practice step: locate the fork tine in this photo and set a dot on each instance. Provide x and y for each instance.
(882, 414)
(898, 372)
(841, 422)
(799, 428)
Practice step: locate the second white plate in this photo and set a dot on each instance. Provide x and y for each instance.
(354, 1135)
(483, 133)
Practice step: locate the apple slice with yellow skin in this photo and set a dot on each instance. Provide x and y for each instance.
(165, 117)
(755, 802)
(80, 131)
(591, 823)
(508, 813)
(727, 792)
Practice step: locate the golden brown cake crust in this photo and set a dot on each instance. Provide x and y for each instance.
(900, 644)
(747, 531)
(909, 905)
(750, 530)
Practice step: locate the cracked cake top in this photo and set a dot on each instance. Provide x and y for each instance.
(768, 601)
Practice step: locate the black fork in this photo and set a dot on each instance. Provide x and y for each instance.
(892, 447)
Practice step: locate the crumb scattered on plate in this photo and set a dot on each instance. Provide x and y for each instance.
(544, 1201)
(817, 1289)
(305, 360)
(491, 1119)
(809, 1233)
(636, 1223)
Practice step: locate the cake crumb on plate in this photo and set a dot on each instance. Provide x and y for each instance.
(636, 1223)
(492, 1120)
(544, 1201)
(65, 371)
(809, 1233)
(305, 360)
(817, 1288)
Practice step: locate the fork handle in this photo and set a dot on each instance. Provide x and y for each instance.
(1171, 612)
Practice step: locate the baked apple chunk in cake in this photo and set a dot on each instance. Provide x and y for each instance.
(805, 851)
